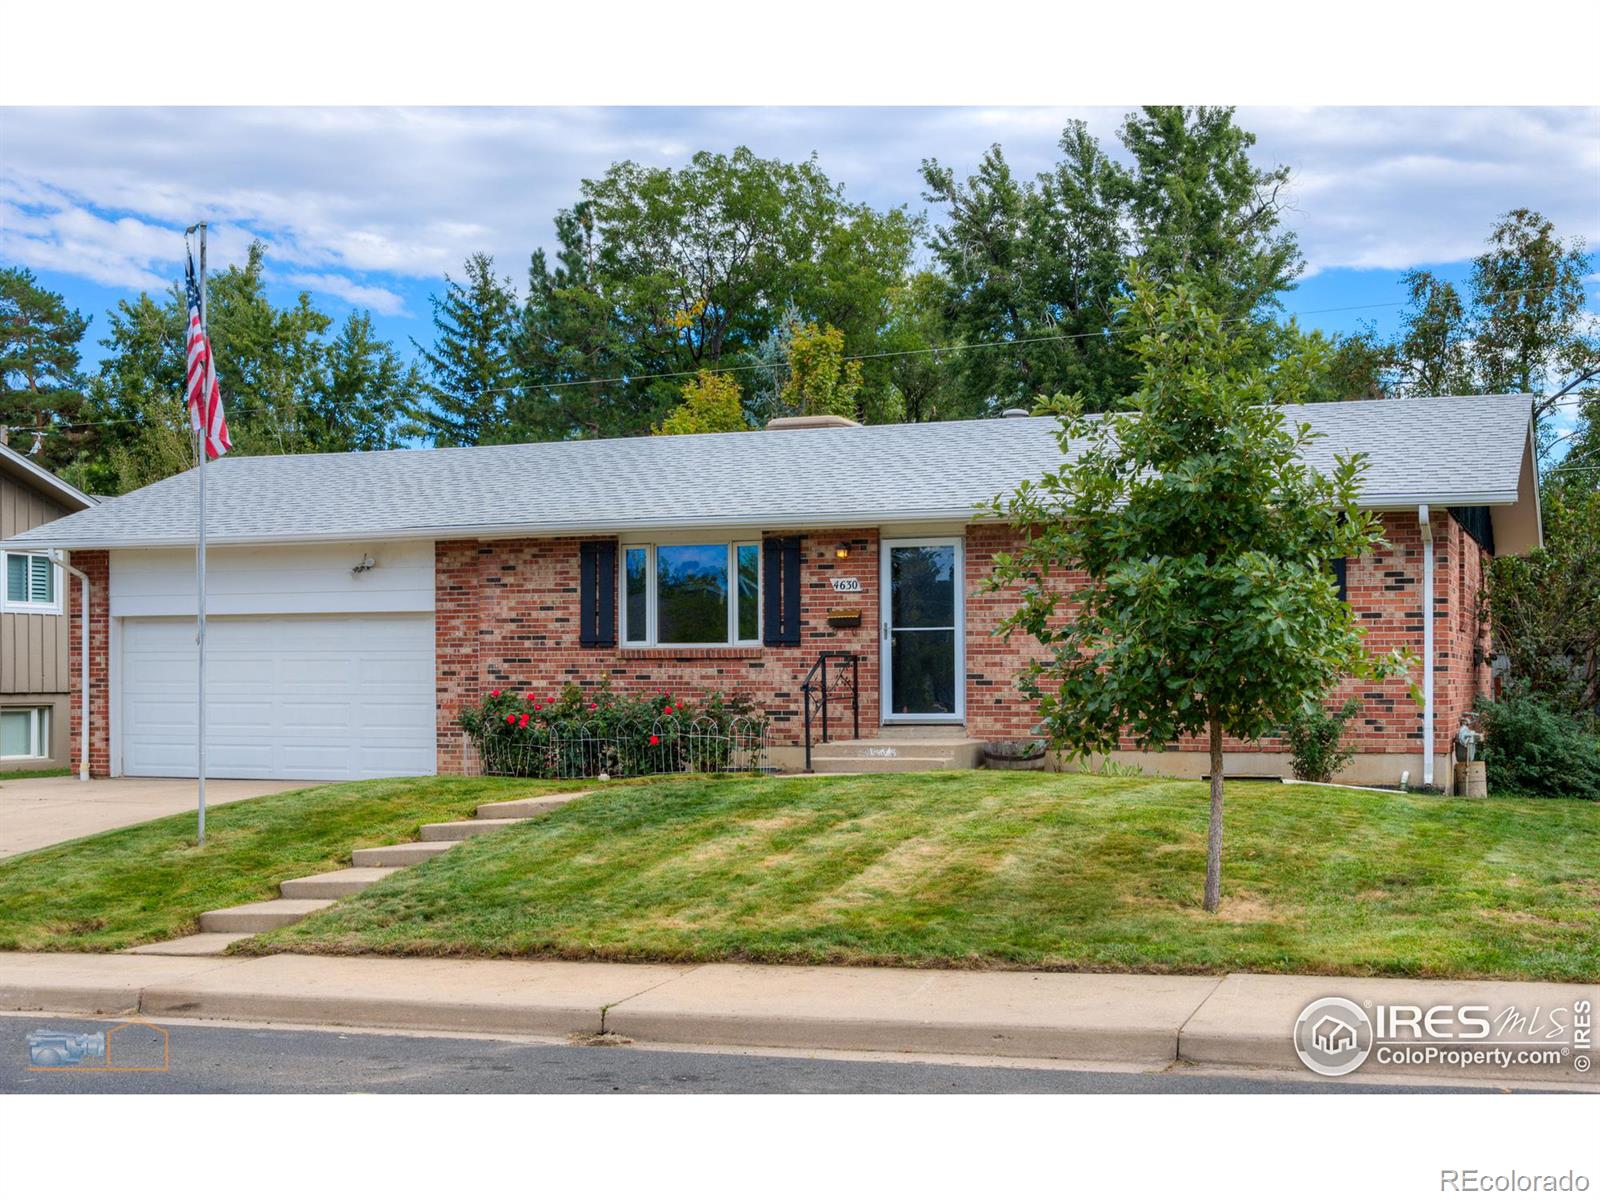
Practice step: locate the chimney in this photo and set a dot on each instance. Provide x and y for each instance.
(820, 421)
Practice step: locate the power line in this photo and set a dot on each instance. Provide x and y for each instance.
(885, 354)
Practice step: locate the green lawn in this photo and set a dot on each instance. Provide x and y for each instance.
(151, 882)
(39, 773)
(1006, 869)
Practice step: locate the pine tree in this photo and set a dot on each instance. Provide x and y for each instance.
(40, 388)
(469, 394)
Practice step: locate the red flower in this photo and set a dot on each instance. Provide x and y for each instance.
(529, 696)
(654, 740)
(667, 709)
(549, 699)
(537, 707)
(523, 720)
(593, 706)
(495, 693)
(511, 718)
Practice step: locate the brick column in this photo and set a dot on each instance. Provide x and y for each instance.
(96, 564)
(457, 593)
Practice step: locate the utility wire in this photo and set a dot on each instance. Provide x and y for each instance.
(884, 354)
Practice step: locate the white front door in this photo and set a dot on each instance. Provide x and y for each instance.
(923, 668)
(320, 697)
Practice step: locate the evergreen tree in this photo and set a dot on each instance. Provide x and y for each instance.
(364, 393)
(471, 379)
(40, 389)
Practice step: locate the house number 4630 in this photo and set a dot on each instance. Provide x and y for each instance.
(846, 583)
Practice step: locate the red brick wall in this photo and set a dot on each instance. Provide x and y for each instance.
(506, 616)
(96, 564)
(1384, 588)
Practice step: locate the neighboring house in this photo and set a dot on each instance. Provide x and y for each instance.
(34, 687)
(358, 601)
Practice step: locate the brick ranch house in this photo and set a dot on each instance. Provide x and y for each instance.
(358, 601)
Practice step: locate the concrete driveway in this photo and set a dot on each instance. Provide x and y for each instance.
(40, 812)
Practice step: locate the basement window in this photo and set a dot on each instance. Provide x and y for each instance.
(32, 584)
(24, 733)
(691, 594)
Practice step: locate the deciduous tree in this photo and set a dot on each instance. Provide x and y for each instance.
(1200, 537)
(710, 405)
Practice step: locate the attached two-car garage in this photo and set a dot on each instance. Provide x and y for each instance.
(312, 671)
(330, 697)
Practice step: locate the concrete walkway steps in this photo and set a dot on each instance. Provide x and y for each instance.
(407, 854)
(260, 916)
(331, 885)
(1148, 1021)
(300, 898)
(896, 750)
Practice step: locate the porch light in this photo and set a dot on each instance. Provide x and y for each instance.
(842, 551)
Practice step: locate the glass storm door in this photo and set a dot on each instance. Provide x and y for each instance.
(923, 676)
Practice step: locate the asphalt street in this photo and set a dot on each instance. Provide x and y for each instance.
(232, 1058)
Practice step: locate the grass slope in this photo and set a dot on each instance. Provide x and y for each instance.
(151, 882)
(1007, 869)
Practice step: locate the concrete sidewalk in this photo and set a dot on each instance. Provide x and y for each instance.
(1145, 1020)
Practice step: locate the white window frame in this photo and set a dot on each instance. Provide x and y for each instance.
(626, 638)
(38, 733)
(52, 608)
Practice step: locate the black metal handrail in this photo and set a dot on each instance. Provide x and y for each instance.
(822, 688)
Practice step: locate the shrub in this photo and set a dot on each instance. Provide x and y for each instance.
(570, 735)
(1315, 738)
(1532, 749)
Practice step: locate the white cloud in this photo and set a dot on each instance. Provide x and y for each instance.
(397, 194)
(379, 300)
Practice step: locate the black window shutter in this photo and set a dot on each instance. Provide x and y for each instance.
(780, 586)
(1341, 577)
(597, 593)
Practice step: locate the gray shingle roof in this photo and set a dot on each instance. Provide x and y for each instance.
(1436, 450)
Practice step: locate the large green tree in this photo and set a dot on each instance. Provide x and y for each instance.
(41, 391)
(287, 387)
(1034, 269)
(666, 270)
(1432, 355)
(1196, 539)
(1532, 331)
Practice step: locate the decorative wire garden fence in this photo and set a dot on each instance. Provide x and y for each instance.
(578, 751)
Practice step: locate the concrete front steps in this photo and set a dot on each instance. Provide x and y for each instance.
(300, 898)
(898, 749)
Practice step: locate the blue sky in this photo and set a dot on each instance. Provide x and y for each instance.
(369, 207)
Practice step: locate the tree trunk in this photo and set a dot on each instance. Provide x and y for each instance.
(1214, 833)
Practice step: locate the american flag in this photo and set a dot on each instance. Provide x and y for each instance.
(201, 392)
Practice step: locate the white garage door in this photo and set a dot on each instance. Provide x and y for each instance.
(336, 697)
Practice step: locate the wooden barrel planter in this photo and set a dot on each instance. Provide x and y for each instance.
(1014, 756)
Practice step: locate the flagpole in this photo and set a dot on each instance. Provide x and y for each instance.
(200, 575)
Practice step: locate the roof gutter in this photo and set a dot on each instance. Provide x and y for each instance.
(774, 521)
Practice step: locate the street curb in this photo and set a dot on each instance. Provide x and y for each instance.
(1236, 1021)
(1105, 1018)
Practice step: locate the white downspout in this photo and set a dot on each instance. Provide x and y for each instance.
(83, 664)
(1427, 643)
